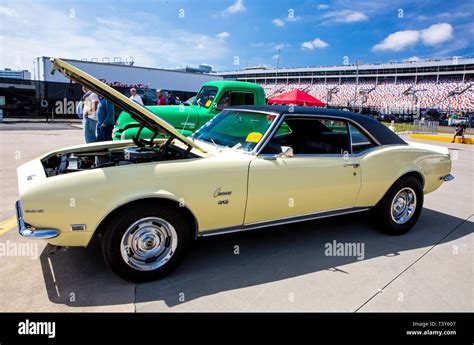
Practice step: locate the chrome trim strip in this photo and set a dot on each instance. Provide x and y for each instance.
(447, 178)
(27, 231)
(283, 221)
(350, 138)
(307, 155)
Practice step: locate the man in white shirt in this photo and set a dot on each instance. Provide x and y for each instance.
(90, 102)
(134, 97)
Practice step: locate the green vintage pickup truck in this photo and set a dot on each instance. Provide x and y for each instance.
(187, 118)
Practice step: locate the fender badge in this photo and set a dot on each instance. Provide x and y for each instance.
(218, 193)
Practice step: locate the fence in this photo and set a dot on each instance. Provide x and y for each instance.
(425, 127)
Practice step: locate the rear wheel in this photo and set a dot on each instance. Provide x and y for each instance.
(146, 243)
(401, 206)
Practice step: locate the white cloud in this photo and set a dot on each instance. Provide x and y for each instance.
(413, 59)
(422, 17)
(276, 56)
(281, 22)
(7, 11)
(279, 46)
(399, 40)
(317, 43)
(278, 22)
(293, 19)
(345, 16)
(236, 7)
(323, 7)
(223, 35)
(270, 45)
(258, 44)
(59, 35)
(437, 33)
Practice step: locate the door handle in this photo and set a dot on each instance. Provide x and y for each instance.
(352, 164)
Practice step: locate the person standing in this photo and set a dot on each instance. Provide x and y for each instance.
(459, 132)
(134, 97)
(170, 99)
(105, 120)
(161, 98)
(90, 102)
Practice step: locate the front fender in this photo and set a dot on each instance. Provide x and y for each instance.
(84, 198)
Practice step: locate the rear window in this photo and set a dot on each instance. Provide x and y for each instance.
(231, 98)
(360, 141)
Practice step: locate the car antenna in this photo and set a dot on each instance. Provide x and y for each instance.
(215, 145)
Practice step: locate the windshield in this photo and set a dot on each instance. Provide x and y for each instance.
(205, 97)
(235, 129)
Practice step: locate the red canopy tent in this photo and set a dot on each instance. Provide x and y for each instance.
(296, 97)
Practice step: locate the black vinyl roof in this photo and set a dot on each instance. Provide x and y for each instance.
(378, 130)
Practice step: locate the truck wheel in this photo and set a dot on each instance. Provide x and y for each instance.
(401, 207)
(146, 243)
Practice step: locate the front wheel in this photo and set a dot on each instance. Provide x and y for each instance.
(401, 206)
(145, 243)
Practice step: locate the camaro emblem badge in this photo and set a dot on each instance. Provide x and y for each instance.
(218, 193)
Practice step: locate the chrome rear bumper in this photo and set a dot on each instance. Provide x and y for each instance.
(447, 178)
(27, 231)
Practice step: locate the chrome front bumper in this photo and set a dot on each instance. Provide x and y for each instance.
(27, 231)
(447, 178)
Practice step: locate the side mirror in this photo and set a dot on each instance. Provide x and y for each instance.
(286, 151)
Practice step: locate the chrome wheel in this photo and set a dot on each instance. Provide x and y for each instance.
(149, 243)
(403, 205)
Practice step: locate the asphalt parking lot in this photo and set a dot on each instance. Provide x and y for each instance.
(277, 269)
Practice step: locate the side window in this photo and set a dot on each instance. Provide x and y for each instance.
(224, 101)
(241, 98)
(308, 136)
(360, 141)
(230, 98)
(249, 98)
(283, 130)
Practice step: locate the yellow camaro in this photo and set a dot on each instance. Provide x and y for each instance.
(247, 168)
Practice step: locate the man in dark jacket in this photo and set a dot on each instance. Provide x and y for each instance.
(105, 120)
(460, 128)
(171, 100)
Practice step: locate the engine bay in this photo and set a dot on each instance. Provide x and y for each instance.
(78, 161)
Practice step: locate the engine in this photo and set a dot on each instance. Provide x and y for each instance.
(79, 161)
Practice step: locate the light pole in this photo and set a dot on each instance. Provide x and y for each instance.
(357, 82)
(278, 64)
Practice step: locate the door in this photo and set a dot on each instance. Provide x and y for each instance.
(320, 176)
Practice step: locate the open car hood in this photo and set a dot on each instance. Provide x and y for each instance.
(139, 113)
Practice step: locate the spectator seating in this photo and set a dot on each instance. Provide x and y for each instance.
(403, 95)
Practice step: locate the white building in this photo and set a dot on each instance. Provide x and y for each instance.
(125, 75)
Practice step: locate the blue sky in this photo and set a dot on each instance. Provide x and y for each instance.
(231, 34)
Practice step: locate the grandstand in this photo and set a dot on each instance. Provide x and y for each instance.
(395, 87)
